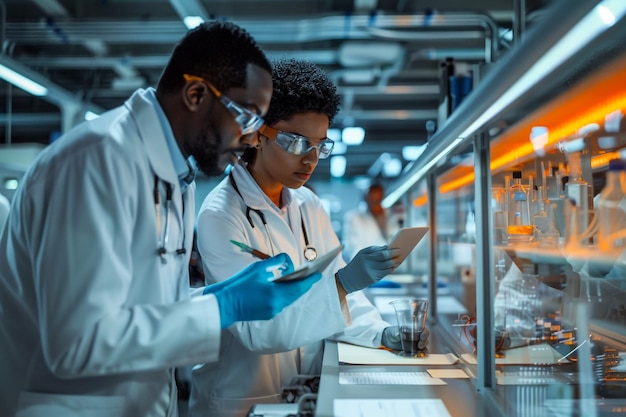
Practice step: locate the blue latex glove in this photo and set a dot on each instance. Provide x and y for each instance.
(391, 338)
(368, 266)
(251, 295)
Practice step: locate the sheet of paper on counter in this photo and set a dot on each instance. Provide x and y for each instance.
(447, 373)
(389, 408)
(388, 378)
(541, 354)
(359, 355)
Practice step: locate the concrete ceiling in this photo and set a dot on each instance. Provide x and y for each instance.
(384, 56)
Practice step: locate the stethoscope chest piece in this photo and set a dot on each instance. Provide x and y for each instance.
(310, 253)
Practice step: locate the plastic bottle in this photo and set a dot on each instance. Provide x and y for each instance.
(611, 209)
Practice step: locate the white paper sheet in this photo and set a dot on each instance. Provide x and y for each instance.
(389, 408)
(447, 373)
(388, 378)
(542, 354)
(358, 355)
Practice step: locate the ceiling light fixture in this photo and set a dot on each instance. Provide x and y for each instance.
(22, 82)
(339, 148)
(193, 21)
(392, 168)
(338, 166)
(353, 135)
(334, 134)
(411, 153)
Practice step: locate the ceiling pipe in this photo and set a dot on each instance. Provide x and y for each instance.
(54, 119)
(519, 20)
(69, 104)
(422, 23)
(296, 29)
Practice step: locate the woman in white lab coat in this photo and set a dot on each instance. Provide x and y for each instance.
(263, 204)
(94, 292)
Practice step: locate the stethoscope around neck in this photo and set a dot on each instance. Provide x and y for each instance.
(310, 253)
(163, 235)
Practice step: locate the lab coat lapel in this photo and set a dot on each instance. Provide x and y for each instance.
(155, 145)
(295, 218)
(282, 235)
(152, 136)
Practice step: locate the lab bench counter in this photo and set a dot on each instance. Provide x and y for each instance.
(459, 395)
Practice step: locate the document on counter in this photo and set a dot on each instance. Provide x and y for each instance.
(388, 378)
(541, 354)
(389, 408)
(448, 373)
(359, 355)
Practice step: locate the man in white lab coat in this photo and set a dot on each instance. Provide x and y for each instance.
(5, 206)
(94, 291)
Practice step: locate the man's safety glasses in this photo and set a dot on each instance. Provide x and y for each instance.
(296, 144)
(247, 120)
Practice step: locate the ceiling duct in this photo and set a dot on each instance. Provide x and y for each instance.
(366, 54)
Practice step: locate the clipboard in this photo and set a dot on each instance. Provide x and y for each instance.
(406, 239)
(318, 265)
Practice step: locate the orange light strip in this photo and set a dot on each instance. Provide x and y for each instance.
(569, 128)
(526, 149)
(420, 201)
(456, 183)
(564, 116)
(602, 160)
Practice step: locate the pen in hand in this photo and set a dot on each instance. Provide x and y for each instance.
(252, 251)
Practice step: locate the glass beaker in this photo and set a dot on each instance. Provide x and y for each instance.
(411, 314)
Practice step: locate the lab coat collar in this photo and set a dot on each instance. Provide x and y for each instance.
(253, 196)
(185, 168)
(151, 134)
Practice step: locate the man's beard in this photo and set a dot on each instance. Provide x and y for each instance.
(207, 150)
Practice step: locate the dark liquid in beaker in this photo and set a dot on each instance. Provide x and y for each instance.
(410, 341)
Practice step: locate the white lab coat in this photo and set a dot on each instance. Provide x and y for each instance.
(5, 207)
(258, 358)
(91, 320)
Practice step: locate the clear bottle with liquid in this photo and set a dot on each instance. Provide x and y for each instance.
(611, 209)
(519, 211)
(578, 191)
(546, 231)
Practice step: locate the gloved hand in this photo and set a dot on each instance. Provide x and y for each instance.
(391, 338)
(251, 295)
(367, 267)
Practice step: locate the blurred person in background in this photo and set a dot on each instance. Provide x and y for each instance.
(370, 223)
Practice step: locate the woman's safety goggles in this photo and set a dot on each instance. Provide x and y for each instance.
(296, 144)
(247, 120)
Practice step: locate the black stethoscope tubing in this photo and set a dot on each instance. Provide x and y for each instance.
(310, 253)
(162, 237)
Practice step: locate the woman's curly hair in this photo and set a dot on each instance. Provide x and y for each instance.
(299, 87)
